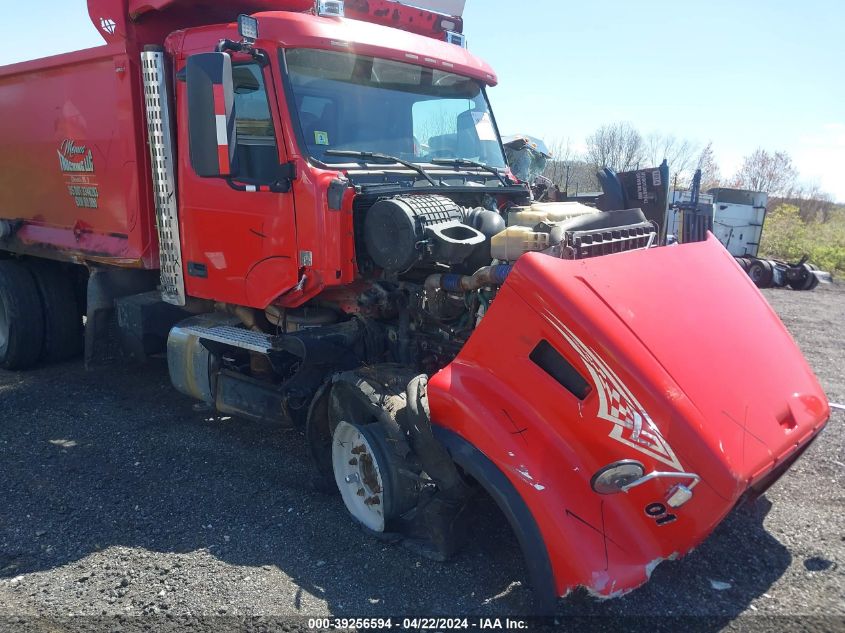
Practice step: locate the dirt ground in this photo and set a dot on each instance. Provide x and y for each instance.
(119, 497)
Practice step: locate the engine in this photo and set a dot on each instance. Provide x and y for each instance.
(435, 263)
(427, 231)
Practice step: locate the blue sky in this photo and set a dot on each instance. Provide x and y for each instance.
(740, 73)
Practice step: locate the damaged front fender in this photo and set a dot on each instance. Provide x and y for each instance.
(540, 480)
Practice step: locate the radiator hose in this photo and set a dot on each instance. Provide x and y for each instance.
(487, 276)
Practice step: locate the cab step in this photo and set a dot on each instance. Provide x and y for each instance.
(234, 337)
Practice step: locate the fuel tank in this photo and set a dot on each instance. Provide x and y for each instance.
(669, 358)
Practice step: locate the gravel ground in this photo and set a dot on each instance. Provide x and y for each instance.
(118, 497)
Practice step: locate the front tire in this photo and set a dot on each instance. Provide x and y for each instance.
(357, 444)
(21, 317)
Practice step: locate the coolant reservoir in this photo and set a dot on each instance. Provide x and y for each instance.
(515, 241)
(548, 212)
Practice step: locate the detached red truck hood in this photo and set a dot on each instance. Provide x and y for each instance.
(689, 371)
(745, 394)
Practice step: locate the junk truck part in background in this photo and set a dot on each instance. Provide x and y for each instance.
(313, 214)
(736, 218)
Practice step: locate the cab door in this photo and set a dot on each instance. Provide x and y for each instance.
(238, 231)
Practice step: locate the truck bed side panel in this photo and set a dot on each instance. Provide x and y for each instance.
(74, 171)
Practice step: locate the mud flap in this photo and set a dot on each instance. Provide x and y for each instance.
(102, 342)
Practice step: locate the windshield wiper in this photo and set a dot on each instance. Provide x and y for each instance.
(383, 158)
(465, 162)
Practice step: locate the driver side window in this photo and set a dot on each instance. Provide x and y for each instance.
(256, 153)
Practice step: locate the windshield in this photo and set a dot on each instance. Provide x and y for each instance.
(354, 102)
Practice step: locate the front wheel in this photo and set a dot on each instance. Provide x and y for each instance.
(363, 475)
(372, 463)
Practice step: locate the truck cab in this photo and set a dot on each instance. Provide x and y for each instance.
(309, 93)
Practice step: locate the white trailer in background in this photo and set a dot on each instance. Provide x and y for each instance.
(738, 217)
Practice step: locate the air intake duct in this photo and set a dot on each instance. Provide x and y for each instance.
(406, 231)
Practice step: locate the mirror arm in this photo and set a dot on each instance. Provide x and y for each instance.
(284, 183)
(228, 45)
(257, 54)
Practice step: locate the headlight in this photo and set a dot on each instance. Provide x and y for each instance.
(613, 477)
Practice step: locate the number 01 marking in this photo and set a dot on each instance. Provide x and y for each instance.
(657, 511)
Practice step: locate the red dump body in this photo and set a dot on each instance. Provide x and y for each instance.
(75, 166)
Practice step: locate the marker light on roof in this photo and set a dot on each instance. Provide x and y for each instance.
(458, 39)
(248, 28)
(330, 8)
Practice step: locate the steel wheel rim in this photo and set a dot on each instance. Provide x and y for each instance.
(358, 476)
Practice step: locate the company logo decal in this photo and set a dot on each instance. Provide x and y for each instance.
(108, 25)
(75, 158)
(77, 164)
(631, 424)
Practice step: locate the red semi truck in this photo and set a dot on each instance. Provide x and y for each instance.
(313, 214)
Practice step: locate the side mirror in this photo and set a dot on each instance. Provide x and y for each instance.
(211, 114)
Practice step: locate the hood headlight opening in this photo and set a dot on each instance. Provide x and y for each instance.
(614, 477)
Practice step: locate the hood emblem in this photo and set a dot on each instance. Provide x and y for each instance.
(631, 424)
